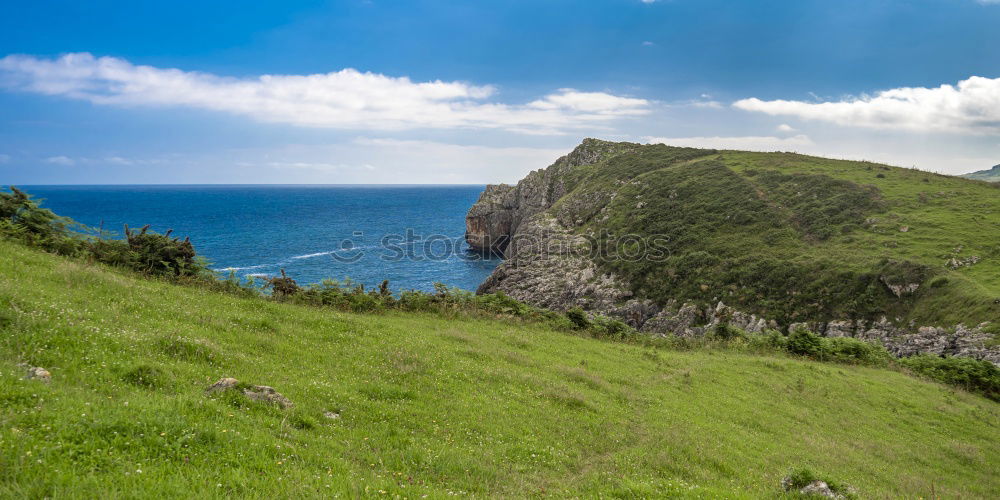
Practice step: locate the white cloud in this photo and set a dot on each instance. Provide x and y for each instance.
(61, 160)
(786, 128)
(4, 158)
(648, 43)
(345, 99)
(746, 143)
(970, 107)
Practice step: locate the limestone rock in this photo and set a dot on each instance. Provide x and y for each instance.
(267, 394)
(819, 488)
(223, 385)
(37, 373)
(260, 393)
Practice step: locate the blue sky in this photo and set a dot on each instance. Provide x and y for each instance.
(476, 92)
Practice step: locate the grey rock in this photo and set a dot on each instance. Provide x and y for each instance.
(260, 393)
(819, 488)
(37, 373)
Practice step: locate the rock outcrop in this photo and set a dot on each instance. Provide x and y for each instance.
(36, 373)
(500, 211)
(548, 263)
(260, 393)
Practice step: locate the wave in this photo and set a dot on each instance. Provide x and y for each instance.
(311, 255)
(248, 268)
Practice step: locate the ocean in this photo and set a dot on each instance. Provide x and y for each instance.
(409, 235)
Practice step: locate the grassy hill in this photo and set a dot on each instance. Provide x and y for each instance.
(991, 175)
(434, 406)
(791, 237)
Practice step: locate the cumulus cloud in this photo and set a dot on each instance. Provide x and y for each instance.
(746, 143)
(970, 107)
(786, 128)
(345, 99)
(61, 160)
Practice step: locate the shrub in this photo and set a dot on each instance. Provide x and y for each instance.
(283, 286)
(973, 375)
(25, 220)
(160, 254)
(726, 332)
(805, 343)
(610, 327)
(854, 351)
(578, 317)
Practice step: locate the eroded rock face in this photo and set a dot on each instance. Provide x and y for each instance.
(498, 215)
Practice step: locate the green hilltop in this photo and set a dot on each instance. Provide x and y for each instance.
(434, 404)
(788, 237)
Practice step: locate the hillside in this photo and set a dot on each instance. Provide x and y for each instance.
(991, 175)
(433, 406)
(757, 239)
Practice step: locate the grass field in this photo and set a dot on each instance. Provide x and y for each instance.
(433, 406)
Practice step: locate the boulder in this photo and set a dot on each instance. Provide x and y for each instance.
(37, 373)
(260, 393)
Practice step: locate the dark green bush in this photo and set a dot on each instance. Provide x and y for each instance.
(805, 343)
(973, 375)
(854, 351)
(725, 331)
(578, 317)
(610, 328)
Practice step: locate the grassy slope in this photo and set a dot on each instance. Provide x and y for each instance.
(953, 213)
(786, 235)
(432, 405)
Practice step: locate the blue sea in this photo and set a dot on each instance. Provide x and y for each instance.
(409, 235)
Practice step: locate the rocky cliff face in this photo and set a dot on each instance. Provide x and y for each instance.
(548, 263)
(494, 220)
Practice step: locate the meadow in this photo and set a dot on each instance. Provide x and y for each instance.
(413, 404)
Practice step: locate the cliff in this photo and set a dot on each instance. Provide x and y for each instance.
(755, 240)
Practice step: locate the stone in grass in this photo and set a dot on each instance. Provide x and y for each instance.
(808, 485)
(332, 415)
(36, 373)
(260, 393)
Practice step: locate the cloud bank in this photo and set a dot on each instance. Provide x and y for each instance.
(970, 107)
(345, 99)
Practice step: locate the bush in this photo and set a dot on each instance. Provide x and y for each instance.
(977, 376)
(610, 327)
(805, 343)
(578, 317)
(727, 332)
(854, 351)
(25, 220)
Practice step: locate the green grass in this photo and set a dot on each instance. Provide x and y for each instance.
(792, 237)
(433, 406)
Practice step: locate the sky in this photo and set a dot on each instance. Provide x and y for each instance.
(446, 92)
